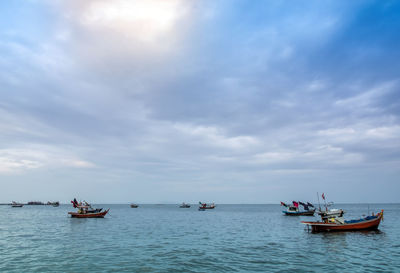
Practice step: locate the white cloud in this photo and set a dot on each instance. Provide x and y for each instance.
(24, 159)
(367, 98)
(214, 136)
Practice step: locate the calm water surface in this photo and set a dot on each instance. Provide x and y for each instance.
(165, 238)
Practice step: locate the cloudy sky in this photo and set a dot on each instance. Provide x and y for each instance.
(225, 101)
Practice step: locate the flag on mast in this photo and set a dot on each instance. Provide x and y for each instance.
(323, 196)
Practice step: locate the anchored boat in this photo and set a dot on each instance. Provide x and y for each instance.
(16, 205)
(85, 210)
(337, 223)
(293, 210)
(184, 206)
(54, 204)
(204, 206)
(88, 215)
(134, 206)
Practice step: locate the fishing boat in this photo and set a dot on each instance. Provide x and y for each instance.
(134, 205)
(294, 210)
(81, 214)
(54, 204)
(85, 210)
(328, 212)
(16, 205)
(204, 206)
(337, 223)
(184, 206)
(35, 203)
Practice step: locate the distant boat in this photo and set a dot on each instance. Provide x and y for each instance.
(184, 206)
(54, 204)
(204, 206)
(293, 210)
(16, 205)
(134, 206)
(337, 223)
(35, 203)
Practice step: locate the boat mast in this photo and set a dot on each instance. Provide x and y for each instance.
(319, 205)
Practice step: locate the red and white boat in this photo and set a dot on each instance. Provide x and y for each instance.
(88, 214)
(85, 210)
(204, 206)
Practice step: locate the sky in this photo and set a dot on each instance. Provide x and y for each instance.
(215, 101)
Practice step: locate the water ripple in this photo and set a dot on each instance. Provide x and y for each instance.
(232, 238)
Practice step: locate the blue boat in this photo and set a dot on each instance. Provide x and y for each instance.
(293, 210)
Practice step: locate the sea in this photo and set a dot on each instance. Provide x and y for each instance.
(166, 238)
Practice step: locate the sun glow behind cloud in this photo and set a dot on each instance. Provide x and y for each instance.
(144, 20)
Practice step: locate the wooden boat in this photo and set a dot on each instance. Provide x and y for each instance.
(35, 203)
(184, 206)
(88, 215)
(204, 206)
(329, 213)
(85, 210)
(289, 212)
(293, 210)
(339, 224)
(16, 205)
(134, 206)
(54, 204)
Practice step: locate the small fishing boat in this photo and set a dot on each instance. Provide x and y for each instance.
(337, 223)
(293, 210)
(16, 205)
(35, 203)
(85, 210)
(329, 213)
(54, 204)
(204, 206)
(184, 206)
(83, 214)
(134, 206)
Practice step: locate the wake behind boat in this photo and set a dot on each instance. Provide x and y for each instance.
(294, 210)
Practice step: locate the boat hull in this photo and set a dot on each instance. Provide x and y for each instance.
(372, 224)
(204, 208)
(88, 215)
(299, 213)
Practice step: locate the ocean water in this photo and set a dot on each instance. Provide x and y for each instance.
(165, 238)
